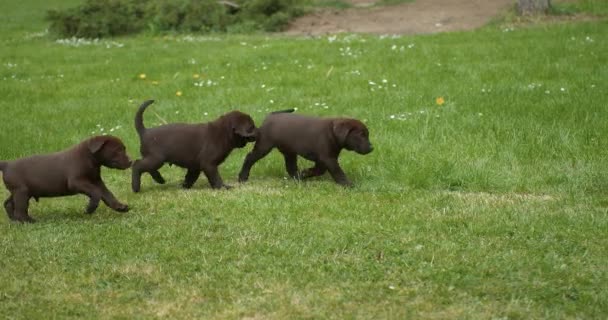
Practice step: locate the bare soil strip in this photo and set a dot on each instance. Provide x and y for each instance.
(418, 17)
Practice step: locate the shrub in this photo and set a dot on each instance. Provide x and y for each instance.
(103, 18)
(271, 15)
(99, 18)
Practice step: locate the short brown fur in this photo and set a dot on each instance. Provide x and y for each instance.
(195, 147)
(317, 139)
(72, 171)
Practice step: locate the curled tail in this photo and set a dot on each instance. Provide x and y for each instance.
(139, 117)
(3, 165)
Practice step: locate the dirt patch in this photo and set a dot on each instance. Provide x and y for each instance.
(420, 16)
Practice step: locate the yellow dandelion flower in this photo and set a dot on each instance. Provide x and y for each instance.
(155, 82)
(142, 76)
(439, 101)
(196, 76)
(178, 93)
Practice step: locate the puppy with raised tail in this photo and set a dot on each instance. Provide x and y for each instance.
(195, 147)
(73, 171)
(317, 139)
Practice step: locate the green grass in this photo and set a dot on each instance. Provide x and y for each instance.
(593, 7)
(393, 2)
(490, 206)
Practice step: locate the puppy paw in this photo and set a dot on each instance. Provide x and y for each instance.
(159, 180)
(24, 219)
(347, 184)
(311, 173)
(90, 209)
(122, 208)
(307, 173)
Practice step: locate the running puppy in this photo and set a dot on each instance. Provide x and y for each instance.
(72, 171)
(317, 139)
(196, 147)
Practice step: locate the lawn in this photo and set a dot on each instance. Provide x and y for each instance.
(486, 196)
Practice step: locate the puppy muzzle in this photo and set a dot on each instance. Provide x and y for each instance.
(126, 164)
(367, 149)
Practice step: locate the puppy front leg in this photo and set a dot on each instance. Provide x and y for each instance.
(89, 189)
(111, 201)
(291, 165)
(214, 178)
(336, 172)
(191, 177)
(93, 203)
(136, 176)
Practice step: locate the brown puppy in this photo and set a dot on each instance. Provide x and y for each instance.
(316, 139)
(196, 147)
(72, 171)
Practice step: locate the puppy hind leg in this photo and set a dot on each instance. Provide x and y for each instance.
(191, 177)
(259, 151)
(318, 170)
(9, 206)
(157, 177)
(21, 202)
(148, 164)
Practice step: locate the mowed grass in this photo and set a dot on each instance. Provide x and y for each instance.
(492, 205)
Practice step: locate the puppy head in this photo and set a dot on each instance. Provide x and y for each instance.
(243, 128)
(352, 135)
(110, 152)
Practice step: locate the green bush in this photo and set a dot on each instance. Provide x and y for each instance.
(271, 15)
(103, 18)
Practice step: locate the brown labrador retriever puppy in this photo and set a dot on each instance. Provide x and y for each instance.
(317, 139)
(72, 171)
(196, 147)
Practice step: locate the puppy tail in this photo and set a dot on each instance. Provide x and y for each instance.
(139, 117)
(284, 111)
(3, 165)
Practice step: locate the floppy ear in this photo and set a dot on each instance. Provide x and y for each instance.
(243, 133)
(96, 144)
(341, 128)
(240, 126)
